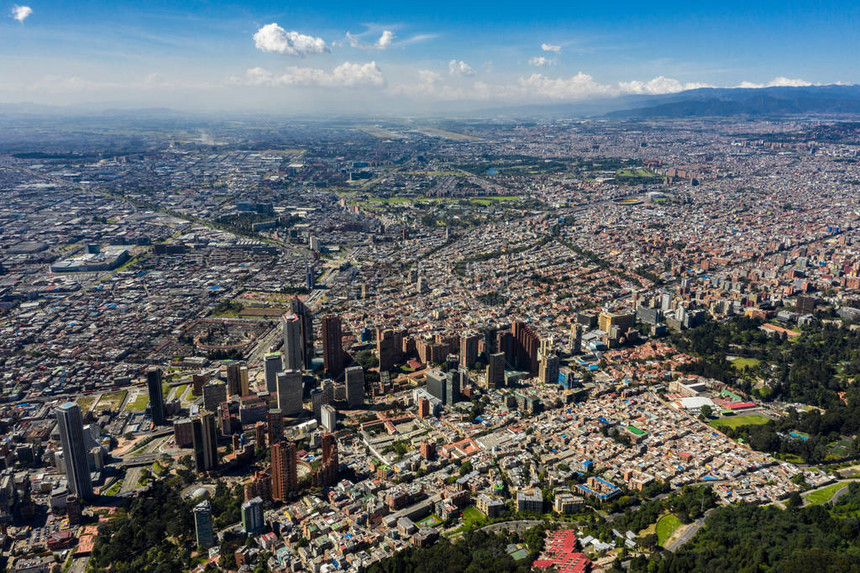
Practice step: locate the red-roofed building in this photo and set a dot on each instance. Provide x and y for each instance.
(562, 555)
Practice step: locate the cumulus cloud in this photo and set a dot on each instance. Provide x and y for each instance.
(576, 87)
(658, 85)
(778, 83)
(274, 39)
(428, 77)
(551, 48)
(346, 74)
(21, 13)
(541, 62)
(385, 39)
(460, 68)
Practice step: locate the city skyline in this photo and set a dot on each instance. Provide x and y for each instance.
(388, 57)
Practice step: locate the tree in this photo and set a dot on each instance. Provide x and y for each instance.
(707, 411)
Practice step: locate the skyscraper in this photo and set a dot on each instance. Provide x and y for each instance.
(306, 320)
(332, 336)
(275, 423)
(156, 395)
(548, 373)
(576, 338)
(71, 427)
(468, 349)
(496, 370)
(274, 364)
(290, 392)
(355, 386)
(205, 441)
(252, 515)
(293, 350)
(214, 393)
(203, 526)
(244, 381)
(284, 470)
(526, 344)
(234, 386)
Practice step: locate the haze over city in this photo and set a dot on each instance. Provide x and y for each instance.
(419, 288)
(406, 57)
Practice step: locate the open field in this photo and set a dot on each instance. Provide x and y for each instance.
(444, 134)
(666, 526)
(86, 402)
(139, 403)
(380, 133)
(735, 421)
(741, 363)
(112, 400)
(825, 494)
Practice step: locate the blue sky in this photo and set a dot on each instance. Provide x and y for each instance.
(349, 56)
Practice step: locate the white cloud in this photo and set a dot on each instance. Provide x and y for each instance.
(345, 75)
(21, 13)
(541, 62)
(777, 82)
(274, 39)
(353, 40)
(428, 77)
(576, 87)
(658, 85)
(460, 68)
(550, 48)
(385, 39)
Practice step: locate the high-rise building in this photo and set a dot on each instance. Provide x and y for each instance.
(273, 364)
(389, 346)
(71, 428)
(284, 470)
(329, 417)
(496, 370)
(423, 408)
(468, 349)
(624, 321)
(354, 386)
(290, 392)
(214, 393)
(205, 441)
(234, 386)
(275, 425)
(549, 370)
(293, 351)
(526, 345)
(444, 385)
(332, 346)
(252, 515)
(576, 337)
(244, 381)
(183, 432)
(306, 321)
(156, 395)
(317, 403)
(204, 528)
(545, 349)
(327, 473)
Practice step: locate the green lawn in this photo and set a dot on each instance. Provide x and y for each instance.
(823, 495)
(741, 363)
(471, 516)
(138, 404)
(666, 526)
(735, 421)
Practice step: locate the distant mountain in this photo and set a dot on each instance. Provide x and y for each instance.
(754, 102)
